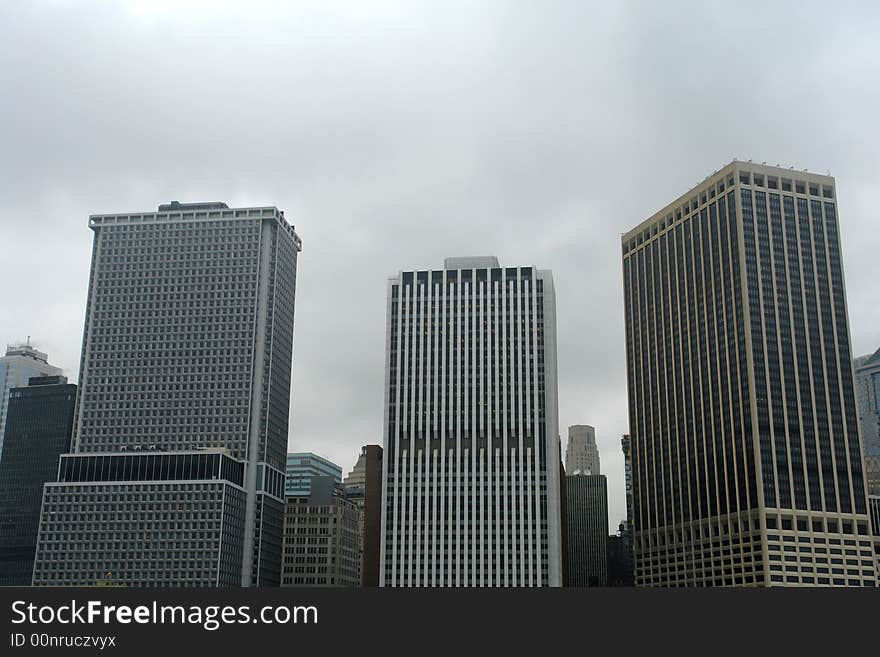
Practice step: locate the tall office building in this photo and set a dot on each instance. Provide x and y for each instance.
(177, 471)
(746, 461)
(321, 538)
(586, 501)
(868, 404)
(471, 459)
(302, 467)
(582, 453)
(20, 363)
(38, 432)
(363, 485)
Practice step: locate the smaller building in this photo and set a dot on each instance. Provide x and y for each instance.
(587, 518)
(21, 362)
(363, 485)
(582, 452)
(620, 559)
(867, 374)
(302, 466)
(321, 540)
(40, 422)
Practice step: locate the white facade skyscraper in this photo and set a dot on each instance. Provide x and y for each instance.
(471, 467)
(581, 453)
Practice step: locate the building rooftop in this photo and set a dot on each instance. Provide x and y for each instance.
(177, 205)
(27, 351)
(734, 173)
(471, 262)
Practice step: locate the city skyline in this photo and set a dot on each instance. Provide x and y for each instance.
(541, 143)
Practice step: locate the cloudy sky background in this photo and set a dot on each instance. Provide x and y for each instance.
(394, 134)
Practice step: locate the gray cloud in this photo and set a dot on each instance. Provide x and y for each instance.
(396, 134)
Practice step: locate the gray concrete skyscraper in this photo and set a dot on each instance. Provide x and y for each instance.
(471, 456)
(180, 435)
(746, 461)
(582, 453)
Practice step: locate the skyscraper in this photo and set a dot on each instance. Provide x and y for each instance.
(20, 363)
(363, 485)
(746, 461)
(471, 458)
(868, 404)
(177, 471)
(582, 453)
(587, 515)
(302, 467)
(38, 432)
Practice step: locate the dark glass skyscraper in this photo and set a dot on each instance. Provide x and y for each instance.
(746, 461)
(586, 502)
(38, 429)
(180, 434)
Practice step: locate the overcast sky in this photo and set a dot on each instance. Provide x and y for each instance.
(394, 134)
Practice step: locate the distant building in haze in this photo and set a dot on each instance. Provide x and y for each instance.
(868, 405)
(302, 467)
(582, 453)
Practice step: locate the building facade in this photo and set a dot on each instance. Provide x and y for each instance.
(874, 510)
(302, 466)
(868, 404)
(587, 516)
(176, 477)
(321, 537)
(20, 363)
(471, 455)
(582, 453)
(626, 448)
(363, 486)
(747, 468)
(38, 432)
